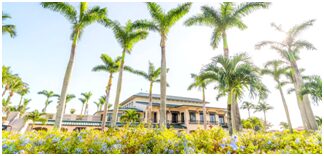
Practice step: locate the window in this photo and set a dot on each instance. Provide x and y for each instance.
(109, 116)
(201, 114)
(155, 117)
(192, 116)
(182, 117)
(221, 119)
(212, 117)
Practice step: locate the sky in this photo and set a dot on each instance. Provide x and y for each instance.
(40, 52)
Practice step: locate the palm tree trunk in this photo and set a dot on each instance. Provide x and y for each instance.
(305, 99)
(225, 45)
(82, 109)
(163, 83)
(104, 118)
(119, 86)
(86, 108)
(66, 81)
(9, 98)
(4, 91)
(204, 109)
(21, 97)
(149, 118)
(46, 103)
(229, 114)
(237, 115)
(286, 108)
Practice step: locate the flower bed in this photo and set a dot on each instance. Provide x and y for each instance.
(142, 140)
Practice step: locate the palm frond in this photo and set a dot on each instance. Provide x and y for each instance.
(64, 8)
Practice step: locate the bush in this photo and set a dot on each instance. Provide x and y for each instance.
(252, 122)
(141, 140)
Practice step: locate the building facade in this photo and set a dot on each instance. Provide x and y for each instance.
(183, 113)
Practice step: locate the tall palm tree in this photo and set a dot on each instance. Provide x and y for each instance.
(313, 87)
(276, 70)
(79, 21)
(200, 84)
(228, 16)
(130, 116)
(8, 28)
(162, 22)
(22, 93)
(153, 76)
(248, 106)
(263, 107)
(233, 76)
(86, 97)
(48, 94)
(35, 116)
(127, 36)
(110, 66)
(289, 50)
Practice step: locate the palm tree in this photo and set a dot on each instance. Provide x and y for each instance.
(274, 68)
(153, 76)
(8, 28)
(15, 85)
(110, 66)
(69, 97)
(284, 125)
(35, 116)
(289, 50)
(162, 22)
(101, 102)
(21, 108)
(79, 21)
(200, 84)
(22, 93)
(127, 36)
(233, 77)
(86, 97)
(130, 116)
(83, 103)
(248, 106)
(228, 16)
(263, 107)
(313, 87)
(48, 94)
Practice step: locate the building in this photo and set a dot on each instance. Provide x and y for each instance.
(183, 113)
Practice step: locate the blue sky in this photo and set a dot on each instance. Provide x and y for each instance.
(40, 52)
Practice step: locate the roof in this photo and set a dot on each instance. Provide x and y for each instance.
(169, 97)
(122, 109)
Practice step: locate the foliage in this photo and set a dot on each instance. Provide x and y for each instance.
(228, 16)
(252, 122)
(140, 140)
(72, 110)
(284, 125)
(130, 115)
(8, 28)
(313, 87)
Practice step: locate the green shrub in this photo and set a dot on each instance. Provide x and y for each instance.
(143, 140)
